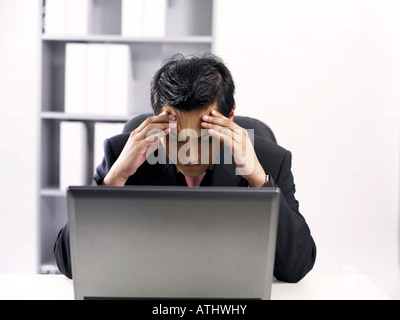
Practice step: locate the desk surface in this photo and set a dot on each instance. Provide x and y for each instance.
(313, 287)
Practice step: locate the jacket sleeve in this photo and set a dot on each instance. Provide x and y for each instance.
(296, 250)
(62, 252)
(105, 166)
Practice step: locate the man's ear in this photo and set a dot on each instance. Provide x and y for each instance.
(232, 115)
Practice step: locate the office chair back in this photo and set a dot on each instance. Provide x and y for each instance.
(260, 128)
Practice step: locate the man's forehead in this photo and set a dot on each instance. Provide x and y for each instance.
(197, 113)
(189, 120)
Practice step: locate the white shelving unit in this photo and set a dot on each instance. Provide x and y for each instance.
(189, 30)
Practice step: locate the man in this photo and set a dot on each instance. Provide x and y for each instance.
(194, 106)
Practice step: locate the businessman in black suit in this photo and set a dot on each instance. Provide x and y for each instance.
(192, 141)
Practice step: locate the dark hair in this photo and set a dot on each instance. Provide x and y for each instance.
(193, 82)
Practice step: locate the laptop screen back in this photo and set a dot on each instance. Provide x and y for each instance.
(173, 242)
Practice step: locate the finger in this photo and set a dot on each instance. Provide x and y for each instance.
(219, 119)
(217, 114)
(142, 126)
(156, 142)
(238, 138)
(239, 147)
(156, 136)
(155, 126)
(221, 136)
(238, 134)
(161, 118)
(218, 128)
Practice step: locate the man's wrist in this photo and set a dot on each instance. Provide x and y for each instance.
(257, 181)
(114, 178)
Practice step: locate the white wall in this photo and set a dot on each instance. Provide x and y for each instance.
(325, 76)
(19, 98)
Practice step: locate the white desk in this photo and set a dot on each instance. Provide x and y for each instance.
(313, 287)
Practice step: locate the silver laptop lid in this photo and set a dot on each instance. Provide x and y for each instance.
(173, 242)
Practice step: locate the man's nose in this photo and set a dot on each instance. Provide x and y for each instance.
(193, 157)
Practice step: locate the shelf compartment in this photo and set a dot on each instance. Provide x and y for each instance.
(183, 18)
(146, 60)
(190, 17)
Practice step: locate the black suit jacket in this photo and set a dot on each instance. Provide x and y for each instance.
(295, 251)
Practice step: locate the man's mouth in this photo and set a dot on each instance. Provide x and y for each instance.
(192, 166)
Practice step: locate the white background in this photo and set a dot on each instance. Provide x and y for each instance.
(19, 114)
(323, 74)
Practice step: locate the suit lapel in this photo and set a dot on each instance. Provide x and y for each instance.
(162, 173)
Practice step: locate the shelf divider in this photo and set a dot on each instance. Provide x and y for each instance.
(53, 192)
(83, 117)
(122, 39)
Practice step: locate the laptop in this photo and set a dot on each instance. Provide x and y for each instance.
(146, 242)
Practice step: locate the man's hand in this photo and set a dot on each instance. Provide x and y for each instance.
(238, 140)
(147, 135)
